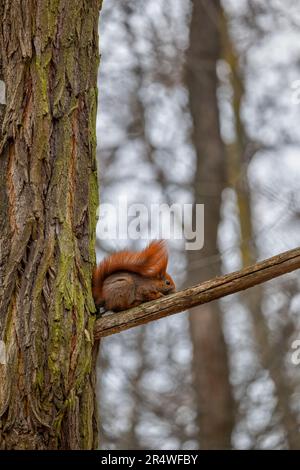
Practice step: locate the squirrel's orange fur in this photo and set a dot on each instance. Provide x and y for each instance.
(127, 278)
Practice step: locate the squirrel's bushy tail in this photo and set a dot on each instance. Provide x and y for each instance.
(150, 262)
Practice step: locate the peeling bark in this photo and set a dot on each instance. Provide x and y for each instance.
(49, 197)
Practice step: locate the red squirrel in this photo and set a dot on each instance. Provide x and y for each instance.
(127, 278)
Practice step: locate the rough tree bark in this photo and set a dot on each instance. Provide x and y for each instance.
(49, 196)
(211, 371)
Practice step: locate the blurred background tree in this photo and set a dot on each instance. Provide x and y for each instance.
(199, 103)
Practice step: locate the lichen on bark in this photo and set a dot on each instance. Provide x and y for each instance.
(49, 197)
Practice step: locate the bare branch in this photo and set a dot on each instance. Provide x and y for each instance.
(199, 294)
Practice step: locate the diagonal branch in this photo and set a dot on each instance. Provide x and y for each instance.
(199, 294)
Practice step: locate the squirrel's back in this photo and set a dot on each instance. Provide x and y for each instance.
(151, 263)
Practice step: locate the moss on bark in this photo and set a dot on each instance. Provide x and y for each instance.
(49, 52)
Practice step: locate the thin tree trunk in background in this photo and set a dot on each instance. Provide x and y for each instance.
(211, 371)
(238, 179)
(49, 196)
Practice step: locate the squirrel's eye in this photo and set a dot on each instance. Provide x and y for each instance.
(168, 282)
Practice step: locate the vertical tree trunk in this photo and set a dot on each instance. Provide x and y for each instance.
(49, 196)
(211, 371)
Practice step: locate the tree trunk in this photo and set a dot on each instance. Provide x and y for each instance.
(211, 371)
(49, 197)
